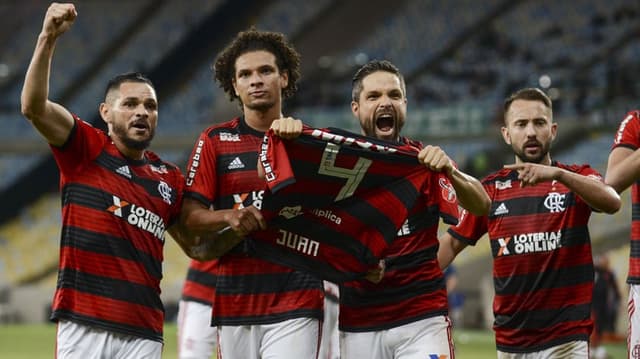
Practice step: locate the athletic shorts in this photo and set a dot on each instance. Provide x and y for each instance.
(427, 338)
(79, 341)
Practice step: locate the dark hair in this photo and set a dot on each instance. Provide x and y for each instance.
(369, 68)
(116, 81)
(287, 58)
(529, 93)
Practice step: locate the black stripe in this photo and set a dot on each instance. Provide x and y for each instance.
(268, 319)
(266, 283)
(635, 249)
(112, 246)
(543, 346)
(249, 162)
(412, 260)
(109, 288)
(200, 277)
(188, 298)
(359, 208)
(520, 206)
(424, 219)
(635, 211)
(280, 255)
(358, 298)
(107, 325)
(391, 324)
(150, 186)
(462, 239)
(542, 318)
(548, 278)
(85, 196)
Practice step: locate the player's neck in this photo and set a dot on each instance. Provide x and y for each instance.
(130, 153)
(544, 161)
(261, 120)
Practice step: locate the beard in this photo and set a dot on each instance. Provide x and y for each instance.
(369, 129)
(120, 131)
(520, 153)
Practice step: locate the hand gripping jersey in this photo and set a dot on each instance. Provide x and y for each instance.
(628, 135)
(243, 289)
(542, 262)
(338, 199)
(114, 215)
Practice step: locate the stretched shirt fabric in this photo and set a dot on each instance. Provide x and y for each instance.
(628, 136)
(114, 215)
(244, 289)
(542, 262)
(413, 287)
(337, 200)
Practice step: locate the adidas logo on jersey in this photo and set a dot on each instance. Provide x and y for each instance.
(124, 171)
(236, 164)
(502, 209)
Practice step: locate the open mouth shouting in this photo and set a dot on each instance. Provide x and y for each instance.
(385, 125)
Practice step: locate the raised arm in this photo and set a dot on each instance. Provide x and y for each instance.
(623, 168)
(53, 121)
(594, 192)
(469, 191)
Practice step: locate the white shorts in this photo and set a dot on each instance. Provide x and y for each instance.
(330, 343)
(425, 338)
(197, 339)
(79, 341)
(577, 349)
(291, 339)
(633, 340)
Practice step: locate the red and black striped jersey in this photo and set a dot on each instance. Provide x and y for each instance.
(222, 173)
(542, 262)
(114, 215)
(337, 200)
(628, 135)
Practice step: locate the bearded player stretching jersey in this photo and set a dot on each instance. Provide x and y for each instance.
(405, 314)
(261, 309)
(118, 199)
(542, 266)
(622, 172)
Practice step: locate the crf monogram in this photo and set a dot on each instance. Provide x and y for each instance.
(636, 351)
(554, 202)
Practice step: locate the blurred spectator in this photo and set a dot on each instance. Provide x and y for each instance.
(454, 296)
(605, 305)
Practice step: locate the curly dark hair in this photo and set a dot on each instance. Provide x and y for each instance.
(287, 58)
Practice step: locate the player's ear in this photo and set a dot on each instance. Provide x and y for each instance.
(554, 130)
(235, 88)
(104, 111)
(284, 79)
(355, 106)
(505, 135)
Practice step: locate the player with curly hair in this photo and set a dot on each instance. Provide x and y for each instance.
(260, 309)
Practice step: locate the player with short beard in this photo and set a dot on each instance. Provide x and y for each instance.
(537, 226)
(117, 200)
(403, 312)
